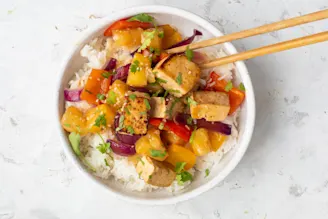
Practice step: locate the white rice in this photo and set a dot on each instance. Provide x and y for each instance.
(98, 52)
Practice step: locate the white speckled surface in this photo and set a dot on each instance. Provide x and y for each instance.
(284, 174)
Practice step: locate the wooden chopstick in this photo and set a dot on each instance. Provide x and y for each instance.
(299, 42)
(254, 31)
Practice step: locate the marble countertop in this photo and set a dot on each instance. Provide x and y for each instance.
(284, 173)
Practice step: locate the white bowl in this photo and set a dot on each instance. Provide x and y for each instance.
(185, 22)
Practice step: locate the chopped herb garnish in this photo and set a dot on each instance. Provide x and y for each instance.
(242, 87)
(157, 153)
(150, 176)
(111, 99)
(127, 111)
(161, 126)
(135, 66)
(140, 160)
(140, 174)
(179, 166)
(143, 113)
(88, 91)
(107, 74)
(169, 111)
(173, 91)
(142, 18)
(75, 139)
(120, 123)
(106, 163)
(67, 125)
(161, 34)
(157, 93)
(147, 104)
(189, 54)
(151, 49)
(132, 96)
(179, 78)
(148, 37)
(166, 93)
(228, 87)
(190, 102)
(183, 177)
(189, 120)
(100, 121)
(101, 96)
(130, 129)
(192, 136)
(103, 147)
(160, 80)
(207, 172)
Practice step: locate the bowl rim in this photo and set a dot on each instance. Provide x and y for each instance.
(250, 115)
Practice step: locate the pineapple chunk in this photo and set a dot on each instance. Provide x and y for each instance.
(171, 36)
(129, 38)
(178, 75)
(100, 118)
(156, 40)
(210, 105)
(138, 71)
(73, 120)
(116, 94)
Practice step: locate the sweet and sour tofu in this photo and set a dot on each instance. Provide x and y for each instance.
(210, 105)
(155, 172)
(177, 75)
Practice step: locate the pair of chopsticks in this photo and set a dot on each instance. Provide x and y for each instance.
(295, 43)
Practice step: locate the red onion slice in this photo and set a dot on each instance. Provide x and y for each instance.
(122, 148)
(72, 95)
(111, 64)
(121, 73)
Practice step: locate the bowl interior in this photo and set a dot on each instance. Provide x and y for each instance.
(185, 22)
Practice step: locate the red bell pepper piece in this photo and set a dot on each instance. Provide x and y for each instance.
(236, 96)
(124, 24)
(180, 130)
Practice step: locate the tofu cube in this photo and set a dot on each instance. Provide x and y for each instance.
(211, 105)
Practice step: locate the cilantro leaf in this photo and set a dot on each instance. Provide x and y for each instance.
(157, 153)
(183, 177)
(106, 163)
(135, 66)
(120, 123)
(190, 102)
(130, 129)
(157, 93)
(143, 17)
(242, 87)
(179, 166)
(189, 54)
(127, 111)
(160, 80)
(228, 87)
(179, 78)
(75, 139)
(189, 120)
(101, 96)
(104, 146)
(207, 172)
(192, 136)
(147, 104)
(106, 74)
(111, 99)
(161, 34)
(148, 37)
(132, 96)
(100, 121)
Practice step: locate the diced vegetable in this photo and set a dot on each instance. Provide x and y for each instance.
(121, 148)
(121, 73)
(236, 96)
(170, 138)
(216, 140)
(116, 94)
(138, 71)
(178, 153)
(200, 143)
(202, 123)
(99, 118)
(211, 105)
(180, 130)
(111, 64)
(124, 24)
(152, 145)
(154, 172)
(129, 38)
(171, 36)
(73, 120)
(171, 69)
(72, 95)
(93, 86)
(188, 40)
